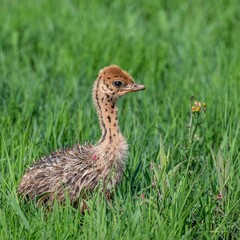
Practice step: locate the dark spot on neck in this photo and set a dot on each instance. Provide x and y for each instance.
(109, 118)
(110, 137)
(103, 88)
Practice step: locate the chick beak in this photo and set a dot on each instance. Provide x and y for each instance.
(134, 87)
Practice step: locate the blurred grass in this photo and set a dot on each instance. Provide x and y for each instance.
(50, 54)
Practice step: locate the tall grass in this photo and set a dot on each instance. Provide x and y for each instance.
(50, 54)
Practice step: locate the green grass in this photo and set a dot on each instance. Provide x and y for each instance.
(50, 54)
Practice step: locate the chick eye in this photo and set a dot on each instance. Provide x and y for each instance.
(118, 84)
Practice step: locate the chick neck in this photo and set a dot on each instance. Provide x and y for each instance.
(107, 115)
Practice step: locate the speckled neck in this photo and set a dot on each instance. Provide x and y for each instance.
(107, 114)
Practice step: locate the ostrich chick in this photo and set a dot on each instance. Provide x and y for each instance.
(73, 171)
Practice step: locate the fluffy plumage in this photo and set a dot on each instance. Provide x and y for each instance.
(72, 171)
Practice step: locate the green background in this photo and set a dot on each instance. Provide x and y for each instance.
(50, 55)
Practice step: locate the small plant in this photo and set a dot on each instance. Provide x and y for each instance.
(197, 108)
(196, 116)
(162, 172)
(222, 163)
